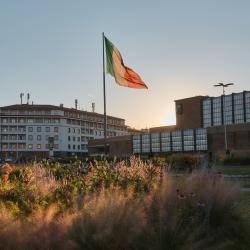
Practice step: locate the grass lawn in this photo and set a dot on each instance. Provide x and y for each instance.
(244, 206)
(233, 170)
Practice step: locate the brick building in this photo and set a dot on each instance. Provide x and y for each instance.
(203, 124)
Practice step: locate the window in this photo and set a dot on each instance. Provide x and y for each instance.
(21, 145)
(188, 140)
(21, 137)
(68, 130)
(38, 146)
(176, 141)
(56, 146)
(247, 99)
(69, 147)
(155, 142)
(47, 129)
(78, 138)
(30, 146)
(227, 109)
(30, 137)
(74, 139)
(39, 129)
(74, 146)
(238, 108)
(207, 116)
(68, 138)
(136, 144)
(56, 137)
(56, 129)
(145, 143)
(217, 119)
(30, 129)
(78, 147)
(39, 137)
(179, 109)
(4, 146)
(201, 139)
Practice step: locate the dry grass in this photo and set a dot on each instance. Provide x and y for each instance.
(197, 212)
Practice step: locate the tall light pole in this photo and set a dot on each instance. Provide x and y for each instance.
(224, 85)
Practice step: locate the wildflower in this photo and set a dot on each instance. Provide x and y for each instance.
(192, 194)
(181, 196)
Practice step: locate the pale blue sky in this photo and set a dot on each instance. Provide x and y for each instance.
(53, 49)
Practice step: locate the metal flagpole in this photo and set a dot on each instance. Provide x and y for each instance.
(104, 96)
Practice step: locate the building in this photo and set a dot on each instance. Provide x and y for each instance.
(39, 130)
(117, 146)
(203, 124)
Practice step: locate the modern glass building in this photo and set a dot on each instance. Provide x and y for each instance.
(226, 109)
(189, 140)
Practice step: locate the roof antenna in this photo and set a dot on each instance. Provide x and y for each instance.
(28, 98)
(21, 97)
(76, 103)
(93, 107)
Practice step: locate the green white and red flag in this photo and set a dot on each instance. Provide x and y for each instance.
(124, 76)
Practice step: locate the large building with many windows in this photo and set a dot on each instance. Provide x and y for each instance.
(203, 124)
(41, 130)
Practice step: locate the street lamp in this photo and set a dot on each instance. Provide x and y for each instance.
(224, 85)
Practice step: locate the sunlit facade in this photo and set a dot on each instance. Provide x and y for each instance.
(39, 129)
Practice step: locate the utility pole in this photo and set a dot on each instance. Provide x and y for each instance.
(224, 85)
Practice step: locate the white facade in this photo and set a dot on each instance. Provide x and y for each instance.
(27, 128)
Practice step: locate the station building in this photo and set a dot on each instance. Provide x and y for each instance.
(203, 124)
(39, 130)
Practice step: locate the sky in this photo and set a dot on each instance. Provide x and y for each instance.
(52, 49)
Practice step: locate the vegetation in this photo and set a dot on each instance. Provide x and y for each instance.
(234, 161)
(234, 170)
(117, 205)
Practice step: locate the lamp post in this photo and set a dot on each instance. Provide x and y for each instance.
(224, 85)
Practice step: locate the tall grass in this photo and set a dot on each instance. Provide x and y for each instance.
(132, 206)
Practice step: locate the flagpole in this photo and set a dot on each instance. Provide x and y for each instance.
(104, 96)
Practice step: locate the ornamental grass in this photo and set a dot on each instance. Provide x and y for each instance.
(118, 205)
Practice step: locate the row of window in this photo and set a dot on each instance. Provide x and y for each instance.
(30, 129)
(95, 118)
(82, 138)
(229, 108)
(22, 146)
(92, 132)
(176, 141)
(77, 147)
(30, 120)
(30, 146)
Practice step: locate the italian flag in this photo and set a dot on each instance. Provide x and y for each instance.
(123, 75)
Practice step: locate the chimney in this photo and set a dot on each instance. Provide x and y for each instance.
(76, 103)
(61, 105)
